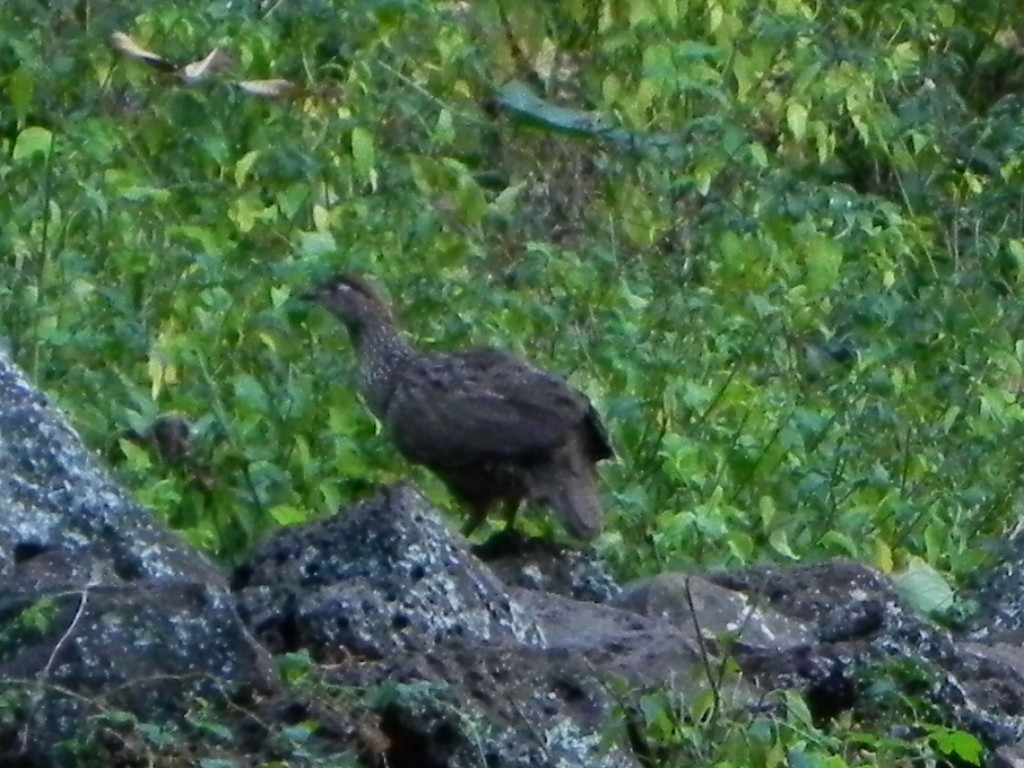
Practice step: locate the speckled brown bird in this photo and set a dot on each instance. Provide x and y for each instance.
(497, 430)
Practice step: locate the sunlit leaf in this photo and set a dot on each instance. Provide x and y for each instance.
(364, 155)
(959, 744)
(286, 514)
(21, 89)
(243, 166)
(796, 119)
(824, 261)
(32, 141)
(883, 556)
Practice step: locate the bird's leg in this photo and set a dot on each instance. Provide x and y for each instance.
(509, 513)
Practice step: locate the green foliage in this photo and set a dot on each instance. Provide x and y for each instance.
(783, 733)
(797, 307)
(28, 626)
(217, 736)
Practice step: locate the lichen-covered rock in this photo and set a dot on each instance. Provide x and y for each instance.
(55, 496)
(387, 574)
(101, 609)
(463, 670)
(861, 630)
(463, 703)
(543, 565)
(87, 649)
(999, 594)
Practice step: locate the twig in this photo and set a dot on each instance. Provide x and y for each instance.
(37, 697)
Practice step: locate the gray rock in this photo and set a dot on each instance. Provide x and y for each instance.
(724, 617)
(396, 599)
(101, 609)
(543, 565)
(385, 576)
(54, 495)
(860, 626)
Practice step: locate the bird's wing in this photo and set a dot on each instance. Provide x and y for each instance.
(479, 405)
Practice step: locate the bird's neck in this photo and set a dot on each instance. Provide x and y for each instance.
(383, 352)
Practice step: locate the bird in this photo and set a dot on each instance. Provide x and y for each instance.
(497, 430)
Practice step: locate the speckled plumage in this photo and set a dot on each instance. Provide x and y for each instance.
(497, 430)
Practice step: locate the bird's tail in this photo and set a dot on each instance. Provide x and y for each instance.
(568, 484)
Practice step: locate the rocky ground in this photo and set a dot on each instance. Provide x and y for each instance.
(379, 636)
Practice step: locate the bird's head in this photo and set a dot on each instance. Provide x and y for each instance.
(352, 298)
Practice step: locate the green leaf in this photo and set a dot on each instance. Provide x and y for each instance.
(883, 556)
(251, 393)
(1016, 247)
(286, 514)
(958, 744)
(316, 244)
(796, 119)
(243, 166)
(923, 587)
(294, 666)
(204, 237)
(32, 141)
(780, 543)
(797, 708)
(137, 457)
(21, 88)
(758, 154)
(444, 129)
(505, 202)
(744, 70)
(840, 541)
(293, 199)
(824, 260)
(157, 736)
(363, 155)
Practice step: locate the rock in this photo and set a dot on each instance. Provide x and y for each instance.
(56, 497)
(394, 599)
(619, 644)
(101, 610)
(386, 576)
(1000, 596)
(862, 630)
(111, 625)
(691, 602)
(469, 704)
(1008, 756)
(541, 564)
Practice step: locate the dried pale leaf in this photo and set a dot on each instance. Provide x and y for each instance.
(216, 61)
(275, 88)
(122, 43)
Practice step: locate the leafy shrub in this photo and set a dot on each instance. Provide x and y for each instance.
(794, 294)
